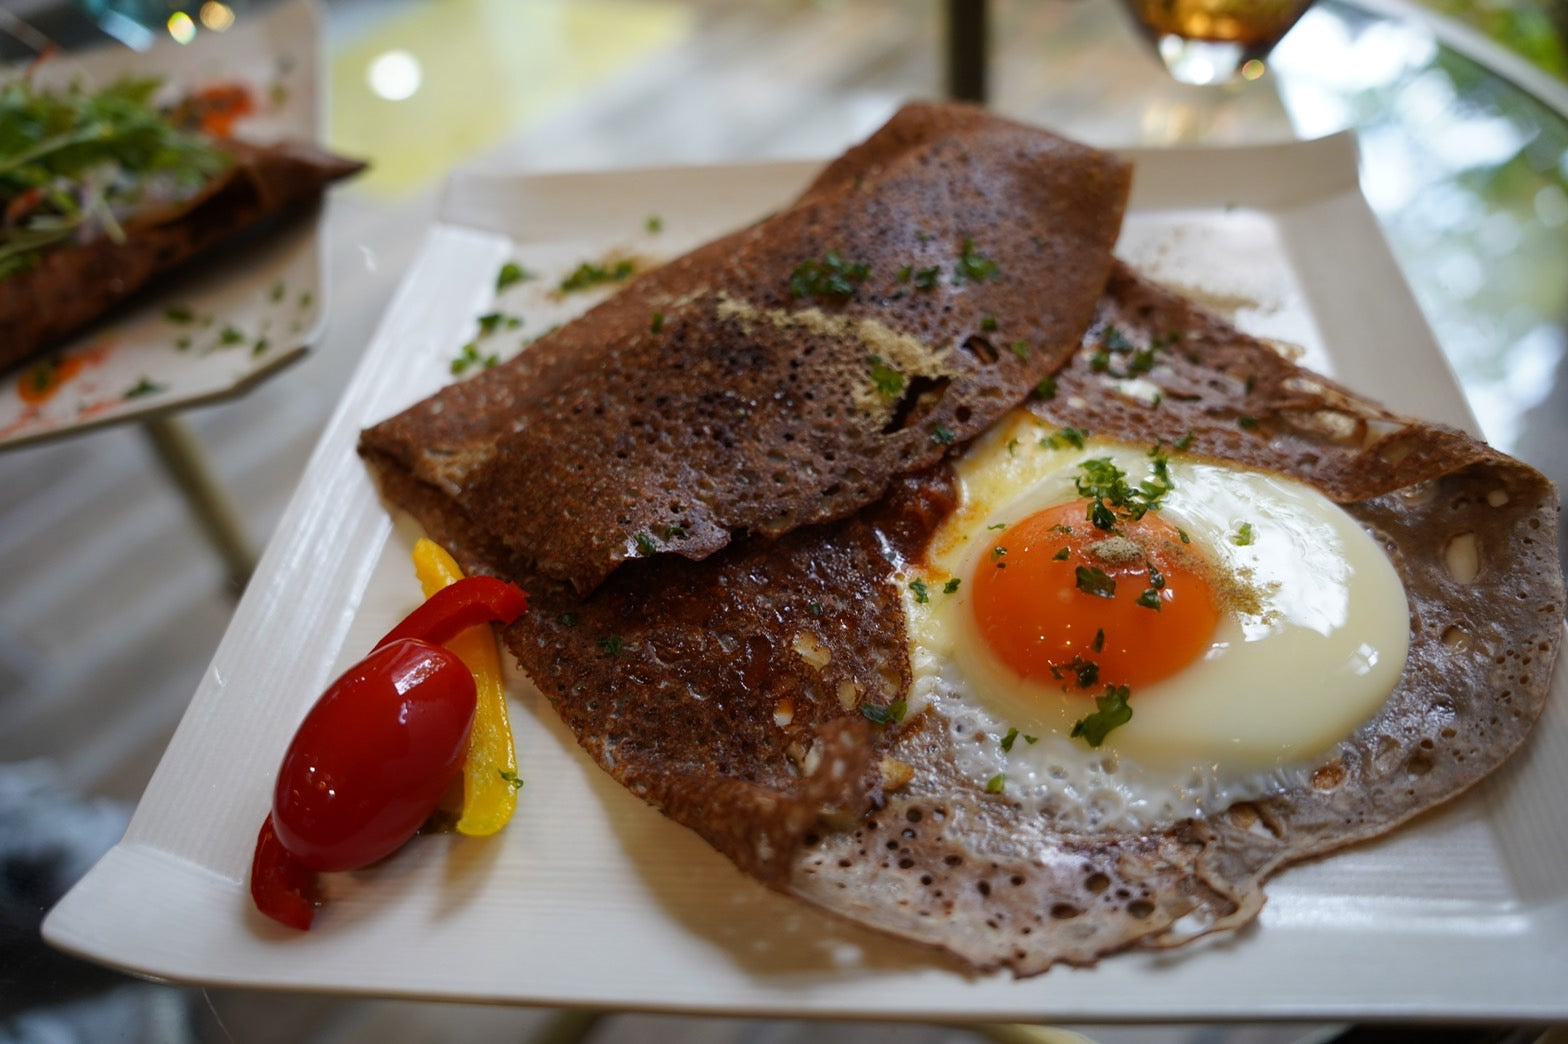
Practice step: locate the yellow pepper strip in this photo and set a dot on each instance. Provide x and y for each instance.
(490, 779)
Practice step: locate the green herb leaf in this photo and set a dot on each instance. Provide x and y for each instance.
(73, 159)
(1111, 712)
(1095, 582)
(654, 224)
(1074, 437)
(645, 544)
(943, 436)
(922, 596)
(973, 266)
(950, 586)
(612, 645)
(889, 382)
(1061, 555)
(1009, 739)
(567, 619)
(1243, 536)
(891, 714)
(1150, 599)
(656, 325)
(588, 275)
(830, 277)
(1046, 389)
(510, 274)
(996, 784)
(512, 778)
(1020, 349)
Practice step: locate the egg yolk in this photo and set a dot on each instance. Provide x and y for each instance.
(1068, 605)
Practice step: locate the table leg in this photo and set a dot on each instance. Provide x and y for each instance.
(183, 458)
(966, 50)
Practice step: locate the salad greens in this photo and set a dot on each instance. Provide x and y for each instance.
(75, 162)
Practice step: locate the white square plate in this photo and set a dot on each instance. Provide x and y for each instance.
(591, 898)
(251, 310)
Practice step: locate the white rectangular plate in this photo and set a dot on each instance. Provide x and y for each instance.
(592, 898)
(251, 311)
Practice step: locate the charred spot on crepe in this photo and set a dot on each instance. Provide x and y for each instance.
(875, 820)
(754, 409)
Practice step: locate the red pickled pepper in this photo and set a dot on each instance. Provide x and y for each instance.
(281, 886)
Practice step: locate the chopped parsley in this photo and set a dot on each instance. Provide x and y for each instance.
(470, 357)
(830, 277)
(1046, 389)
(814, 608)
(1247, 423)
(654, 224)
(996, 784)
(179, 314)
(1185, 441)
(889, 382)
(943, 436)
(645, 544)
(588, 275)
(145, 386)
(656, 324)
(1009, 739)
(1105, 486)
(892, 713)
(567, 619)
(612, 645)
(973, 266)
(1020, 349)
(1098, 645)
(1085, 672)
(1116, 348)
(922, 595)
(988, 322)
(927, 278)
(1061, 555)
(1095, 582)
(1244, 535)
(674, 532)
(230, 336)
(512, 273)
(950, 586)
(512, 778)
(1074, 437)
(1111, 712)
(1150, 599)
(490, 322)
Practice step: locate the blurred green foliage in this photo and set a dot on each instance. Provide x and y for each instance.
(1535, 29)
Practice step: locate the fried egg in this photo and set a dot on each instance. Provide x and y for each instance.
(1195, 639)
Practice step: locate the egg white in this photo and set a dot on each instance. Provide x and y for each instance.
(1295, 666)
